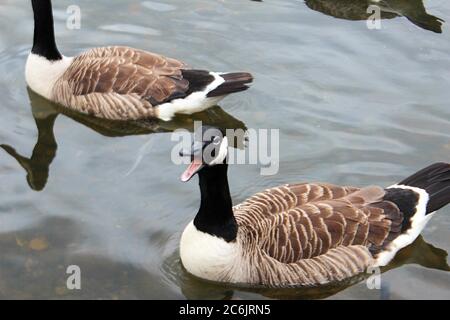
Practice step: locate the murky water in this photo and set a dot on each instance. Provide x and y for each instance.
(353, 105)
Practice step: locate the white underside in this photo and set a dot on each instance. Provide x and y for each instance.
(207, 256)
(195, 102)
(42, 74)
(418, 222)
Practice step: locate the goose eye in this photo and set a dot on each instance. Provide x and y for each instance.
(216, 140)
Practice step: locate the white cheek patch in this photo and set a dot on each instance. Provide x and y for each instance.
(223, 152)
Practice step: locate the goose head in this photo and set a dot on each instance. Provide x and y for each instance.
(209, 149)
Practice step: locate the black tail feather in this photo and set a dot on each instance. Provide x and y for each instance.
(198, 79)
(428, 22)
(234, 82)
(435, 180)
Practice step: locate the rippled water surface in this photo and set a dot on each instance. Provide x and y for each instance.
(353, 105)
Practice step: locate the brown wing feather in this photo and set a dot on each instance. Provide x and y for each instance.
(304, 221)
(126, 71)
(99, 81)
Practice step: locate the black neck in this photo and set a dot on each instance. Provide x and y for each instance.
(44, 35)
(215, 215)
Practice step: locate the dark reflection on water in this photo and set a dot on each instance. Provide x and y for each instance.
(38, 165)
(413, 10)
(419, 252)
(45, 113)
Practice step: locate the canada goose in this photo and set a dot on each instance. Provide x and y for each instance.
(120, 83)
(413, 10)
(301, 234)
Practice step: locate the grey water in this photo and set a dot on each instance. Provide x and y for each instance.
(354, 106)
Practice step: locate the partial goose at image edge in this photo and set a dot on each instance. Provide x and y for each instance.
(357, 10)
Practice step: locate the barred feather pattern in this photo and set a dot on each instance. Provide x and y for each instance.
(312, 234)
(120, 83)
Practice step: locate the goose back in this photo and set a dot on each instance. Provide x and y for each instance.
(120, 83)
(314, 233)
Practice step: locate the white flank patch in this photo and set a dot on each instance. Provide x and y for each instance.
(418, 222)
(207, 256)
(41, 74)
(195, 102)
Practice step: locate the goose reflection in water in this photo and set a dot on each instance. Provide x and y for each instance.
(413, 10)
(45, 113)
(419, 253)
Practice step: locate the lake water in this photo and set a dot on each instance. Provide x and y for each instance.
(354, 106)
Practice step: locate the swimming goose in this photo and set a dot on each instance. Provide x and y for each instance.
(301, 234)
(120, 83)
(413, 10)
